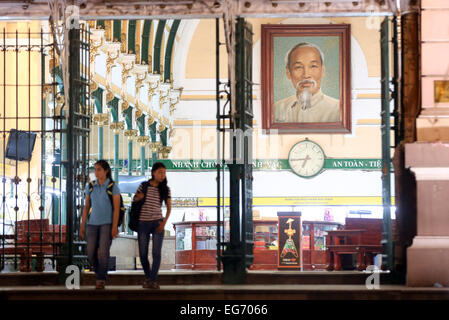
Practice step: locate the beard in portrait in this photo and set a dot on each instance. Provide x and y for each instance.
(305, 69)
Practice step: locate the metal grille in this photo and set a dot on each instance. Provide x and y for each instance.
(44, 150)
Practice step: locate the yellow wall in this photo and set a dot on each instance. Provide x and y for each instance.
(201, 58)
(185, 144)
(365, 142)
(20, 96)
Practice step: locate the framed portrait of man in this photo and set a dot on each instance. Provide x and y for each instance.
(306, 84)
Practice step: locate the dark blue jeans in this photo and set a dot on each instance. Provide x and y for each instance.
(99, 241)
(144, 230)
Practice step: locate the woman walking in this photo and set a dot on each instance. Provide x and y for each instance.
(153, 193)
(101, 210)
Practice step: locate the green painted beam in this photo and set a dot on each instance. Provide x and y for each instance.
(169, 50)
(130, 157)
(152, 131)
(141, 124)
(98, 96)
(116, 157)
(56, 73)
(141, 127)
(163, 137)
(157, 46)
(128, 115)
(142, 161)
(117, 33)
(132, 24)
(113, 108)
(145, 44)
(100, 143)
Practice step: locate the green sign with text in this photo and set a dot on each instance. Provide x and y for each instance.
(267, 164)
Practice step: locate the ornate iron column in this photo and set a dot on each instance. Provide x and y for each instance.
(237, 253)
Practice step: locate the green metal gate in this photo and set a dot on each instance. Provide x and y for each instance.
(45, 145)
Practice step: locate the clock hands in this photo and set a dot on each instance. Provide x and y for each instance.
(302, 159)
(305, 160)
(311, 155)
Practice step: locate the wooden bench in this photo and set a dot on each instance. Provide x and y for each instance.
(34, 237)
(361, 237)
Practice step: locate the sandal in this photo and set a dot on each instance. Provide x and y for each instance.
(100, 284)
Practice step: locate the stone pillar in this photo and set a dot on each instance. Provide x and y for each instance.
(428, 257)
(428, 158)
(410, 106)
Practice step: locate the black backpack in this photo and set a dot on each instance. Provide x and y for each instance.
(109, 192)
(136, 206)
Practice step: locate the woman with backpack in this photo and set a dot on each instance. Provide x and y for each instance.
(102, 217)
(152, 193)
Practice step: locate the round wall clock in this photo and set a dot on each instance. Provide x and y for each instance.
(306, 159)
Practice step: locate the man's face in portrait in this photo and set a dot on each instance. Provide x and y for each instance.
(305, 70)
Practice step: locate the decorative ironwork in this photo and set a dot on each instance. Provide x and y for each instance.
(164, 152)
(101, 119)
(161, 128)
(143, 140)
(130, 134)
(155, 146)
(153, 80)
(109, 96)
(164, 91)
(117, 126)
(175, 97)
(127, 62)
(96, 41)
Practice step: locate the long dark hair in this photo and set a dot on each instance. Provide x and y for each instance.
(162, 187)
(105, 165)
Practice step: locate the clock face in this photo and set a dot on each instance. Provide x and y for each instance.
(306, 158)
